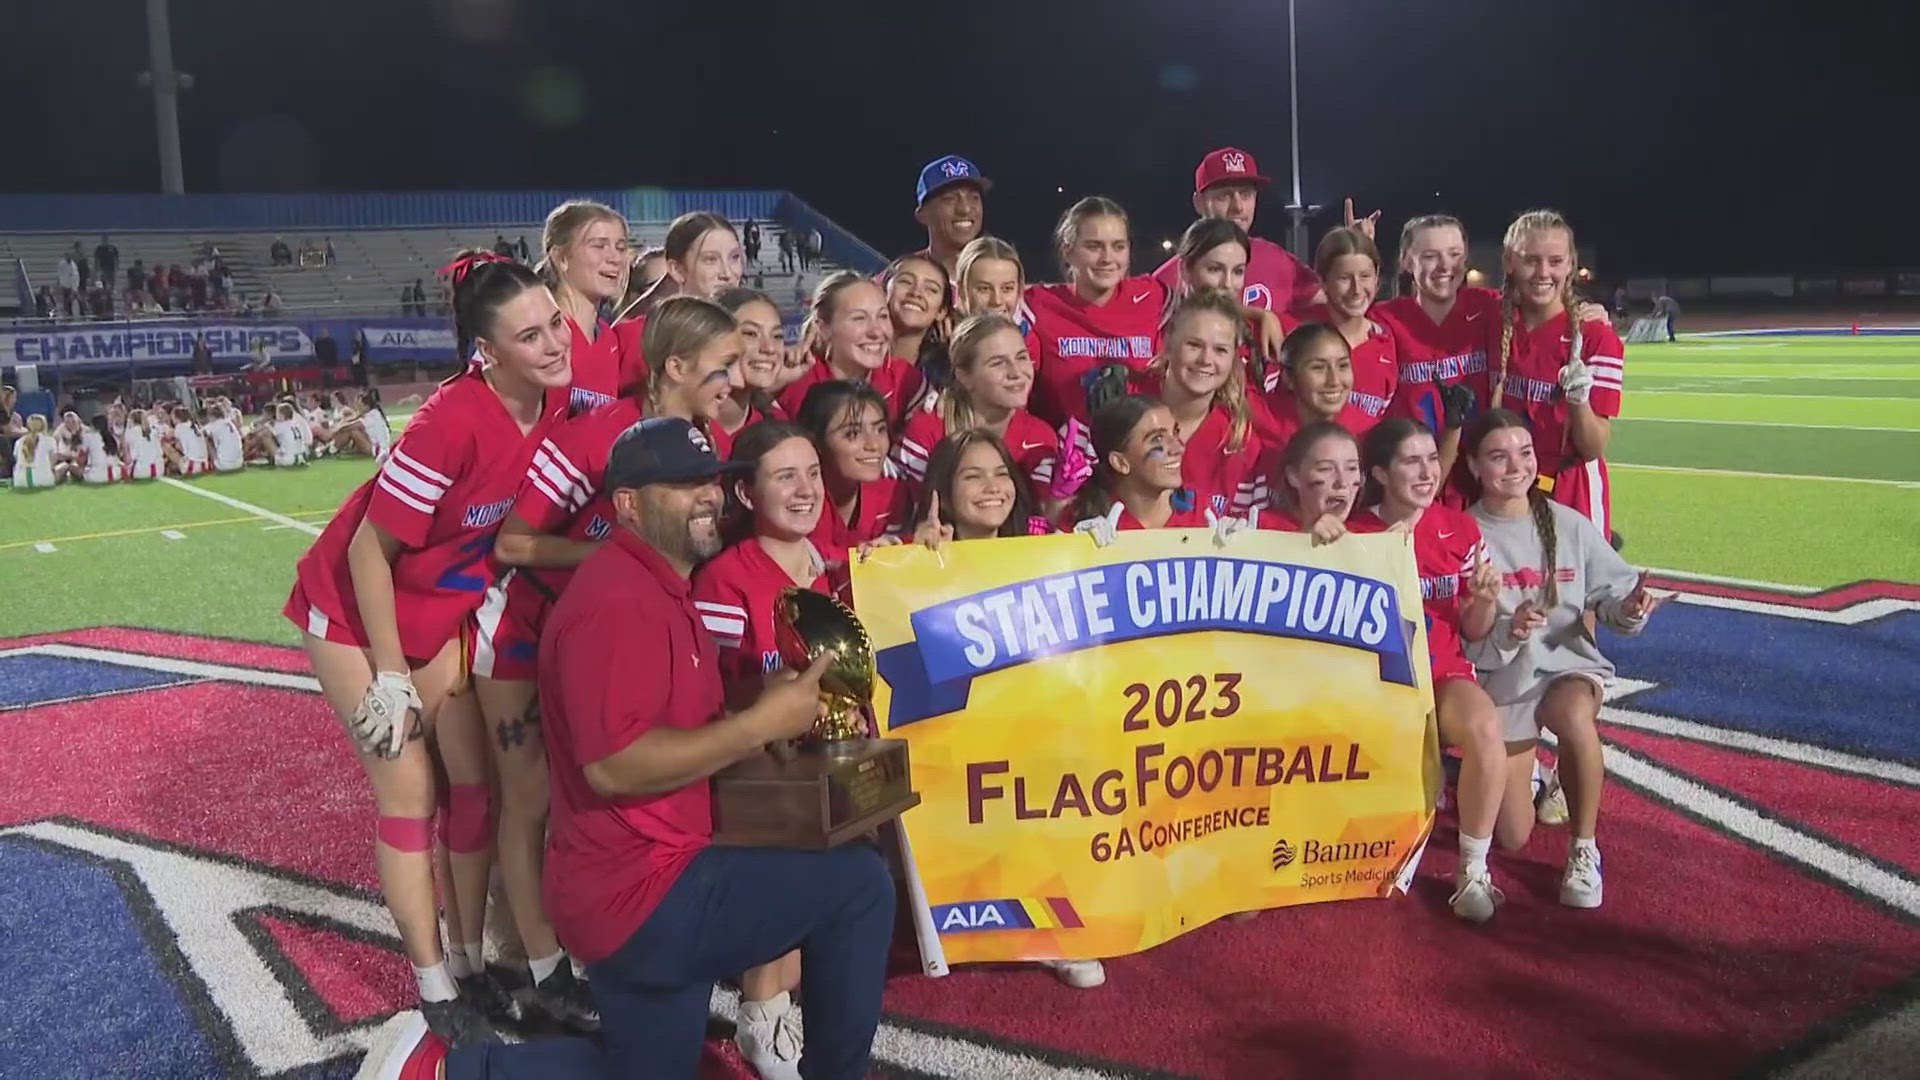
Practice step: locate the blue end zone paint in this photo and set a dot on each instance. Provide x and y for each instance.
(31, 679)
(75, 953)
(1847, 687)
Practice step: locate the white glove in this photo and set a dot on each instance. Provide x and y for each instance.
(1224, 528)
(386, 714)
(1576, 378)
(1104, 529)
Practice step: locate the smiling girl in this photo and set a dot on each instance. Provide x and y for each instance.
(918, 300)
(849, 321)
(992, 378)
(974, 491)
(1203, 384)
(585, 262)
(1538, 662)
(762, 349)
(703, 258)
(848, 424)
(1318, 482)
(381, 596)
(1459, 588)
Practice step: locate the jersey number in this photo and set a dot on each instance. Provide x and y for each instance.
(456, 579)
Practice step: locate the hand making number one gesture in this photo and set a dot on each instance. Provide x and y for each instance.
(932, 531)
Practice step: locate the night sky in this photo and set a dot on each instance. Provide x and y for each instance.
(1678, 136)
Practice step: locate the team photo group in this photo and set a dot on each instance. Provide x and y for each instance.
(561, 604)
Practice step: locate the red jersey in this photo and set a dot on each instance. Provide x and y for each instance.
(442, 492)
(1035, 446)
(1194, 517)
(1432, 355)
(596, 366)
(624, 654)
(897, 380)
(563, 489)
(723, 440)
(883, 506)
(1275, 519)
(1076, 337)
(633, 363)
(1376, 374)
(1227, 484)
(1276, 281)
(1532, 386)
(1446, 548)
(735, 592)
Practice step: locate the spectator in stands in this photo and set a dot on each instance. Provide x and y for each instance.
(68, 277)
(137, 276)
(157, 287)
(419, 298)
(329, 251)
(179, 292)
(949, 202)
(751, 239)
(106, 258)
(44, 302)
(502, 247)
(203, 356)
(279, 254)
(81, 264)
(525, 253)
(786, 251)
(270, 304)
(326, 352)
(357, 359)
(1620, 301)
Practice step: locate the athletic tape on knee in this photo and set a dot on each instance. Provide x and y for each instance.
(469, 817)
(405, 833)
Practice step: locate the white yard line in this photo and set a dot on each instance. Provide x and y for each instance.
(45, 548)
(173, 534)
(1749, 583)
(1766, 423)
(1618, 465)
(257, 511)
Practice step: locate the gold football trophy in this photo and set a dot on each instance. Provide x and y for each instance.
(840, 783)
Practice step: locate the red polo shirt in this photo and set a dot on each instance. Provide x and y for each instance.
(625, 653)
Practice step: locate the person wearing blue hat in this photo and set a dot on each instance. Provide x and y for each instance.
(949, 202)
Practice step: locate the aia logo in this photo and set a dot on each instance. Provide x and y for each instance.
(1283, 854)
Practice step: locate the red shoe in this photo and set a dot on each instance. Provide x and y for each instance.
(403, 1049)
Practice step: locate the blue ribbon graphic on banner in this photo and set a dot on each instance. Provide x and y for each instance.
(959, 640)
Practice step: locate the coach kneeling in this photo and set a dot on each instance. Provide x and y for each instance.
(632, 705)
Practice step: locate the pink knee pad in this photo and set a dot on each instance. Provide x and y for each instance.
(469, 817)
(405, 833)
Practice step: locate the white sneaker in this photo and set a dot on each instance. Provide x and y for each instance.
(1079, 974)
(402, 1041)
(1476, 898)
(1580, 884)
(1550, 804)
(769, 1042)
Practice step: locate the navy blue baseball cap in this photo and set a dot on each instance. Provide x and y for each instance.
(945, 172)
(664, 450)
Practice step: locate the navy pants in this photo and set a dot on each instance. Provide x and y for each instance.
(732, 908)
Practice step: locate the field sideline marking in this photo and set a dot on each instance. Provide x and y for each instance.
(1764, 745)
(1690, 471)
(256, 511)
(143, 531)
(1768, 423)
(1749, 583)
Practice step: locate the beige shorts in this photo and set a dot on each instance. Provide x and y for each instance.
(1517, 723)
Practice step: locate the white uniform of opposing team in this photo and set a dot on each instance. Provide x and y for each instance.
(290, 442)
(101, 467)
(193, 448)
(378, 432)
(33, 470)
(142, 449)
(227, 453)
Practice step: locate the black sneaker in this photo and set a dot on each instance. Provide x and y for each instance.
(565, 998)
(458, 1023)
(490, 999)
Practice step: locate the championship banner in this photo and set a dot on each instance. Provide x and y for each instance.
(1117, 745)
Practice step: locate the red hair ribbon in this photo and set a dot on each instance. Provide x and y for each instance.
(457, 270)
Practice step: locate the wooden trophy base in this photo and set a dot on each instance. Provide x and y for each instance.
(822, 797)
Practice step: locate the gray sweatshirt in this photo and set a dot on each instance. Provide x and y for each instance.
(1592, 576)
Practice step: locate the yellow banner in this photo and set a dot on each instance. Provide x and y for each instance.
(1117, 745)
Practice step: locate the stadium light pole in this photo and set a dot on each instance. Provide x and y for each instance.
(1297, 209)
(166, 97)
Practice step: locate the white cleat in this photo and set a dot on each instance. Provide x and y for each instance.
(1079, 974)
(1477, 898)
(1580, 884)
(770, 1039)
(1550, 805)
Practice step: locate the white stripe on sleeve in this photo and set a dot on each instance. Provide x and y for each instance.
(424, 471)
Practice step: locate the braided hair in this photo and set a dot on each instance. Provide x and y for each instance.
(1533, 221)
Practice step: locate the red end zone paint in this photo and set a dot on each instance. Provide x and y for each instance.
(1836, 598)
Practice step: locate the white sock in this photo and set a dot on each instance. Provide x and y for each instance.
(435, 983)
(1584, 843)
(1539, 777)
(770, 1009)
(545, 966)
(456, 963)
(1473, 854)
(476, 956)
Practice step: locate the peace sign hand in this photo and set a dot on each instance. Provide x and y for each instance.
(932, 531)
